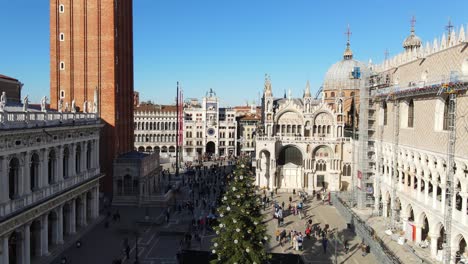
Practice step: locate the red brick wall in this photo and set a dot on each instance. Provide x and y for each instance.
(98, 52)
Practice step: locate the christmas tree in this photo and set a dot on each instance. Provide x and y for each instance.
(241, 233)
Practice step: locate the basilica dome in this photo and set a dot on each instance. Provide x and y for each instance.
(339, 75)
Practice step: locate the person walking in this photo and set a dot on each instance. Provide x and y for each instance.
(127, 251)
(325, 245)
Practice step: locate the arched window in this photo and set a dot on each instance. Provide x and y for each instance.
(88, 155)
(34, 172)
(13, 176)
(346, 170)
(384, 113)
(51, 173)
(321, 165)
(446, 114)
(411, 113)
(66, 161)
(78, 159)
(332, 94)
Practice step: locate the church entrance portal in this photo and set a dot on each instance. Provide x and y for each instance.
(210, 148)
(291, 173)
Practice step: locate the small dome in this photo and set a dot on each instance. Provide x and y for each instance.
(412, 41)
(339, 74)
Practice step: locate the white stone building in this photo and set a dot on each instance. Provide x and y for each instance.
(209, 130)
(49, 179)
(411, 124)
(155, 128)
(300, 144)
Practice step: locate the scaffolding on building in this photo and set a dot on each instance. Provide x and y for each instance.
(449, 87)
(366, 147)
(396, 133)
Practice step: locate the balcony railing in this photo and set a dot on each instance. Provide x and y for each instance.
(44, 119)
(16, 205)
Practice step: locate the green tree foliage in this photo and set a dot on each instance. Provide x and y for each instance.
(241, 232)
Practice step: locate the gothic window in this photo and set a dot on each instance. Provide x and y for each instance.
(346, 170)
(411, 113)
(321, 165)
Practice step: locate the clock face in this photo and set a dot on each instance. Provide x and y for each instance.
(211, 131)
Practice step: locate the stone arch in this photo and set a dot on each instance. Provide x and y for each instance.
(149, 149)
(52, 222)
(292, 153)
(287, 114)
(423, 221)
(323, 151)
(35, 238)
(14, 247)
(459, 244)
(439, 229)
(141, 149)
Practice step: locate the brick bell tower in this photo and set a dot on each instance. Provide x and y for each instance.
(91, 56)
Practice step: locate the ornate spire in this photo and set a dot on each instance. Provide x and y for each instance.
(348, 53)
(267, 90)
(307, 90)
(412, 41)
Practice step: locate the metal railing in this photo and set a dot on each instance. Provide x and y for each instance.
(382, 253)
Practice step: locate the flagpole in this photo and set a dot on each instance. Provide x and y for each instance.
(177, 133)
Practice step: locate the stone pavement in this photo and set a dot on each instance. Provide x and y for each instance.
(408, 253)
(103, 245)
(313, 250)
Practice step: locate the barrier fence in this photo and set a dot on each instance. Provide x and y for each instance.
(382, 253)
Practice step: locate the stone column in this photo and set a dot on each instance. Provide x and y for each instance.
(434, 194)
(418, 193)
(444, 191)
(72, 161)
(4, 185)
(434, 238)
(45, 235)
(385, 208)
(59, 234)
(464, 205)
(84, 210)
(72, 217)
(4, 257)
(59, 164)
(26, 245)
(426, 192)
(95, 201)
(404, 220)
(84, 155)
(97, 155)
(26, 179)
(43, 168)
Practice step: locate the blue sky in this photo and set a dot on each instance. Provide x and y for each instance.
(230, 45)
